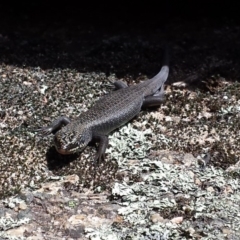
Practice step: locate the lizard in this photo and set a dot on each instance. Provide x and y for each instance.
(107, 114)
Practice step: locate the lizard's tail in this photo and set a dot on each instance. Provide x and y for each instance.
(154, 84)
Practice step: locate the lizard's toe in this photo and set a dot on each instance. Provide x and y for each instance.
(44, 131)
(99, 158)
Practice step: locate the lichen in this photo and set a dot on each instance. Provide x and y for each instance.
(157, 193)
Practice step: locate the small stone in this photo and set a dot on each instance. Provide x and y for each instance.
(73, 179)
(188, 159)
(179, 84)
(22, 206)
(210, 189)
(168, 119)
(206, 115)
(198, 182)
(191, 231)
(191, 174)
(20, 112)
(177, 220)
(77, 219)
(156, 218)
(118, 219)
(228, 190)
(27, 83)
(226, 231)
(176, 119)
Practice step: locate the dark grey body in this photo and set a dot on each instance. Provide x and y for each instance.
(109, 112)
(118, 107)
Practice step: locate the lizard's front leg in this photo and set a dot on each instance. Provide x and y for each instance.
(54, 126)
(103, 143)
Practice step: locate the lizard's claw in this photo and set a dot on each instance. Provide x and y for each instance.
(98, 159)
(44, 131)
(54, 126)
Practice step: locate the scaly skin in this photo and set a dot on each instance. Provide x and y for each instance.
(108, 113)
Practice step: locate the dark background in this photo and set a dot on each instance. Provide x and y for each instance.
(95, 11)
(74, 34)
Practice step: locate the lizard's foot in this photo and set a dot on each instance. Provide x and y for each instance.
(44, 131)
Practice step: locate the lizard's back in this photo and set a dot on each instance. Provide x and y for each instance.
(113, 110)
(118, 107)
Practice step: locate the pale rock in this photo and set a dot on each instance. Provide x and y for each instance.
(210, 189)
(22, 206)
(156, 218)
(177, 220)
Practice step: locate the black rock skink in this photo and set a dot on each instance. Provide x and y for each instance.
(109, 112)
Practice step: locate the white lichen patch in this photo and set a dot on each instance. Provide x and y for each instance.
(159, 191)
(129, 143)
(8, 223)
(6, 236)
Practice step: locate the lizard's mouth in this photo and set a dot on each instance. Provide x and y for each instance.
(68, 149)
(63, 151)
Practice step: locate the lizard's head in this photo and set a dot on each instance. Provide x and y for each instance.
(69, 141)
